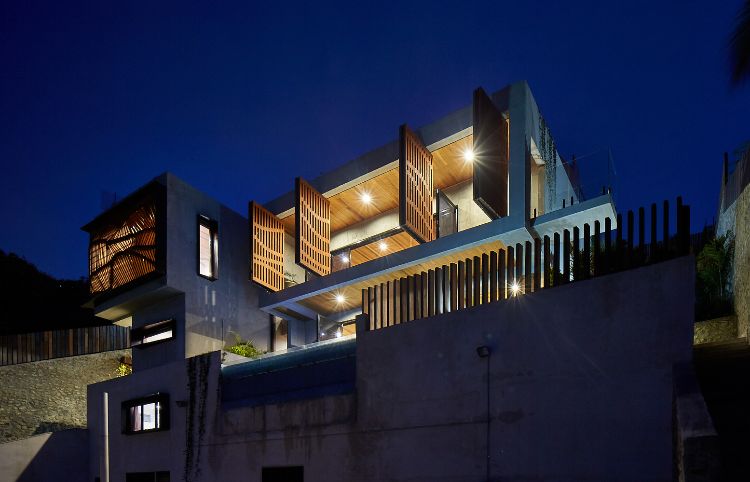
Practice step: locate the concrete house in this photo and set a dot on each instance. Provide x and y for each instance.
(402, 301)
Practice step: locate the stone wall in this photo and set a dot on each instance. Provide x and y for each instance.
(50, 395)
(742, 263)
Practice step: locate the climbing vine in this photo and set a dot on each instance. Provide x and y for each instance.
(549, 155)
(197, 373)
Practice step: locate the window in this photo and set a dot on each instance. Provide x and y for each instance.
(208, 248)
(148, 414)
(283, 474)
(147, 477)
(153, 333)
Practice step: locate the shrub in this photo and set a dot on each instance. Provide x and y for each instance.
(713, 270)
(244, 348)
(123, 369)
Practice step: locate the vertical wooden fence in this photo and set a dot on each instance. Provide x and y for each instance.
(44, 345)
(544, 263)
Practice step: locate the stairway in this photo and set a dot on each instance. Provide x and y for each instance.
(723, 370)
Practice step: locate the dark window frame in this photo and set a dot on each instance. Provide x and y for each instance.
(213, 229)
(138, 335)
(162, 413)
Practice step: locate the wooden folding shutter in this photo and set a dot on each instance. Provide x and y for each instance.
(490, 156)
(416, 193)
(313, 223)
(123, 251)
(266, 248)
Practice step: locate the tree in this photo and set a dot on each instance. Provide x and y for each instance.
(740, 46)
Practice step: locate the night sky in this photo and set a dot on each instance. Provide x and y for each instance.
(239, 99)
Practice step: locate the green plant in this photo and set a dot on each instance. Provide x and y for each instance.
(244, 348)
(123, 369)
(713, 269)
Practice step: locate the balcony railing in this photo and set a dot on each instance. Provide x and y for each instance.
(525, 268)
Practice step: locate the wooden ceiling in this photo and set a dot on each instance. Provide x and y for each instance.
(326, 303)
(378, 249)
(347, 207)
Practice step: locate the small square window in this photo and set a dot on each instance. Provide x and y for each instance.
(148, 414)
(208, 248)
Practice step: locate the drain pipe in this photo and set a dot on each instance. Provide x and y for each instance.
(105, 475)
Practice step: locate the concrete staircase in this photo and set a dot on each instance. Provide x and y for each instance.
(723, 371)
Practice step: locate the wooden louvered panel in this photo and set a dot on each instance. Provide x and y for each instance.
(123, 252)
(416, 191)
(313, 228)
(490, 156)
(266, 248)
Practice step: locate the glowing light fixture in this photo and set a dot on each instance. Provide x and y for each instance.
(469, 155)
(383, 246)
(366, 197)
(340, 298)
(515, 288)
(344, 258)
(338, 333)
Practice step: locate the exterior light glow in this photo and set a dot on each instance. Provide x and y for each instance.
(340, 298)
(383, 246)
(338, 333)
(366, 198)
(344, 258)
(515, 288)
(469, 155)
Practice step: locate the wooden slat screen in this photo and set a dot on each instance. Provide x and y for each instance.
(266, 248)
(44, 345)
(490, 156)
(516, 270)
(123, 251)
(313, 225)
(416, 191)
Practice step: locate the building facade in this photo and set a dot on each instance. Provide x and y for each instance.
(386, 295)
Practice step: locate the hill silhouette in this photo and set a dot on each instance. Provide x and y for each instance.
(31, 300)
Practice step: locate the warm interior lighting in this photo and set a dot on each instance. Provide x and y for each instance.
(383, 246)
(366, 197)
(469, 155)
(344, 258)
(515, 288)
(340, 298)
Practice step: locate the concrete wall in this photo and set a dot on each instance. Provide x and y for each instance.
(50, 395)
(60, 456)
(742, 263)
(469, 213)
(577, 391)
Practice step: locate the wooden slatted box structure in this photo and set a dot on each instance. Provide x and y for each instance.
(266, 248)
(416, 193)
(313, 227)
(126, 243)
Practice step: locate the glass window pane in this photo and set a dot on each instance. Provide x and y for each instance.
(149, 416)
(165, 335)
(135, 418)
(204, 251)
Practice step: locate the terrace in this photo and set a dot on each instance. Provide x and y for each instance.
(480, 180)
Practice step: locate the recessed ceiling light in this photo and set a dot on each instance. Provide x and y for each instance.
(366, 197)
(469, 155)
(344, 258)
(383, 246)
(515, 288)
(340, 298)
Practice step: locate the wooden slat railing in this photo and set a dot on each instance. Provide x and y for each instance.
(525, 268)
(45, 345)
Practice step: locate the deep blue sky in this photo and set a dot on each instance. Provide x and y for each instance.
(240, 99)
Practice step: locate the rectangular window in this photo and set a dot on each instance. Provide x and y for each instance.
(153, 333)
(208, 248)
(148, 414)
(147, 477)
(283, 474)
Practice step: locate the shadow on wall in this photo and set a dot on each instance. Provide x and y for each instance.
(60, 456)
